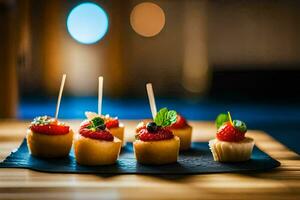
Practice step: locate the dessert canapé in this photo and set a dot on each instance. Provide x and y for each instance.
(49, 138)
(155, 143)
(183, 130)
(114, 126)
(95, 145)
(230, 144)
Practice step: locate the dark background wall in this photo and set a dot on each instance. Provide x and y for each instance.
(201, 41)
(234, 49)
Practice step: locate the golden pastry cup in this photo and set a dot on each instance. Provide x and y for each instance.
(119, 133)
(96, 152)
(231, 151)
(49, 146)
(157, 152)
(185, 135)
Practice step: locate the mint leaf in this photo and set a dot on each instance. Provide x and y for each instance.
(97, 122)
(160, 116)
(241, 126)
(166, 123)
(221, 119)
(172, 116)
(164, 117)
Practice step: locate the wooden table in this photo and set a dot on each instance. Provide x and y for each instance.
(280, 183)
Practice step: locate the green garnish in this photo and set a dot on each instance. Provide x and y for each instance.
(165, 117)
(223, 118)
(97, 123)
(241, 126)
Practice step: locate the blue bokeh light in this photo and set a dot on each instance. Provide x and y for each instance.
(87, 23)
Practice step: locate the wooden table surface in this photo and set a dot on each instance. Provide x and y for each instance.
(280, 183)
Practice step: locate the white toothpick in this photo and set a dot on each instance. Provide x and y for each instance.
(100, 94)
(151, 99)
(60, 94)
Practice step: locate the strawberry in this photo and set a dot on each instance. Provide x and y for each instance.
(95, 133)
(227, 132)
(160, 134)
(180, 122)
(98, 134)
(50, 129)
(112, 123)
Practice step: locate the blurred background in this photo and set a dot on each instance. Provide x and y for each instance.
(203, 58)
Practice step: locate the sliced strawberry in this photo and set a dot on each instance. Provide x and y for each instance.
(112, 123)
(180, 122)
(160, 134)
(95, 134)
(98, 135)
(229, 133)
(50, 129)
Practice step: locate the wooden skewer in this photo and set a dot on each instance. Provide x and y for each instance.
(151, 99)
(62, 84)
(100, 94)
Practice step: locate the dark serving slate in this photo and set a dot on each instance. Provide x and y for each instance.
(198, 160)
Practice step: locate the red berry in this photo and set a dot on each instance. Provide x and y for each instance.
(112, 123)
(95, 134)
(50, 129)
(180, 122)
(229, 133)
(160, 134)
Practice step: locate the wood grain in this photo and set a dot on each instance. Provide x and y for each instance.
(280, 183)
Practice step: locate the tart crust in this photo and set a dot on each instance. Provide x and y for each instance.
(157, 152)
(96, 152)
(185, 135)
(231, 151)
(49, 146)
(118, 132)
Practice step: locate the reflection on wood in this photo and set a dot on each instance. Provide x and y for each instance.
(280, 183)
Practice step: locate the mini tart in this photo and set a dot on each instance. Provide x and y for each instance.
(185, 135)
(157, 152)
(49, 146)
(118, 132)
(231, 151)
(96, 152)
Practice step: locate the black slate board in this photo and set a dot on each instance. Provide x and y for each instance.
(198, 160)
